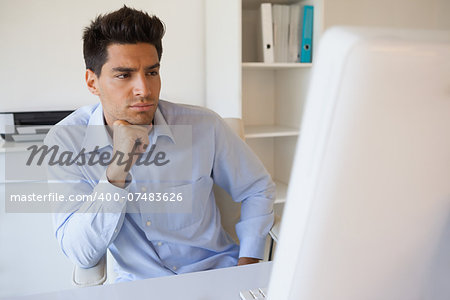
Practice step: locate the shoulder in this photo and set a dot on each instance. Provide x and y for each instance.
(176, 113)
(81, 116)
(71, 128)
(205, 122)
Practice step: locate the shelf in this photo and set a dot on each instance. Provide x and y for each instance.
(281, 190)
(17, 146)
(274, 66)
(254, 4)
(264, 131)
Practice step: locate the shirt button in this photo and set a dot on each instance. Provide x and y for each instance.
(174, 268)
(159, 244)
(115, 230)
(143, 189)
(148, 223)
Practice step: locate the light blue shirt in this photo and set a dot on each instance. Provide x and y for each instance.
(145, 243)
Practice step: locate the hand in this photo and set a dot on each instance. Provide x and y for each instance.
(128, 141)
(247, 260)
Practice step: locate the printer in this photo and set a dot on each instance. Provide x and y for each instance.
(29, 126)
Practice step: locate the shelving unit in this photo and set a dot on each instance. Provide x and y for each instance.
(273, 66)
(265, 131)
(269, 97)
(272, 102)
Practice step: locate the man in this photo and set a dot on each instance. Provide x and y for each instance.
(188, 149)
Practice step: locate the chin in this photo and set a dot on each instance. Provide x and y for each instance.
(141, 120)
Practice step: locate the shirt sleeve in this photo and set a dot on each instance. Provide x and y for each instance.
(239, 171)
(85, 223)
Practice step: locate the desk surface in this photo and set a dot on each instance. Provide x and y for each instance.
(220, 284)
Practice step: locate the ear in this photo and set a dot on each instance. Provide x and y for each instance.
(92, 82)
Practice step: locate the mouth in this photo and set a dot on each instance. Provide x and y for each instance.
(141, 106)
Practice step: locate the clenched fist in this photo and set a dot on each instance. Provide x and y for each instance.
(128, 142)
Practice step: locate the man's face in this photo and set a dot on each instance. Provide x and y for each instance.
(129, 83)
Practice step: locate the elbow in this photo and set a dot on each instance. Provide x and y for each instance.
(90, 263)
(82, 255)
(83, 250)
(87, 263)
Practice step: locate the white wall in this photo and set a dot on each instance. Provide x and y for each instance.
(223, 57)
(422, 14)
(42, 66)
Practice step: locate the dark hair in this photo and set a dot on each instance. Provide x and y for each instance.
(123, 26)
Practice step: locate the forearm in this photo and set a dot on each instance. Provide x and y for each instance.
(257, 218)
(85, 231)
(85, 237)
(252, 236)
(252, 186)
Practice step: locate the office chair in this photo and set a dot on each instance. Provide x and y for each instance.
(229, 213)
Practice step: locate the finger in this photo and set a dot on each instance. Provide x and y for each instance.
(137, 145)
(120, 122)
(138, 141)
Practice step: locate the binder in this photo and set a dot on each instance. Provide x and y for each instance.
(265, 34)
(307, 34)
(294, 33)
(280, 15)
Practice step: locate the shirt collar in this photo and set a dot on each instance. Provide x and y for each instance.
(97, 134)
(161, 128)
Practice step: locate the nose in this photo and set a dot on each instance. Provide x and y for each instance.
(141, 86)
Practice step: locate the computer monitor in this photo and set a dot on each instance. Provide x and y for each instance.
(368, 206)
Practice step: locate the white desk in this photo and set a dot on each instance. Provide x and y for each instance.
(221, 284)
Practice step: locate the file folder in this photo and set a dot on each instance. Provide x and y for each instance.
(280, 15)
(265, 34)
(307, 34)
(294, 33)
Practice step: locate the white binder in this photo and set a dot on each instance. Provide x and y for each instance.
(265, 34)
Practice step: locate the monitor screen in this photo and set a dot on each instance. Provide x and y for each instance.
(368, 206)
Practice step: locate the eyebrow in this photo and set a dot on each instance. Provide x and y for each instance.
(126, 69)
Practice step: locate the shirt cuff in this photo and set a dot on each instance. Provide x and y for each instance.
(252, 247)
(115, 197)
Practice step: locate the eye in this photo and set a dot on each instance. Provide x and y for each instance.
(122, 76)
(153, 73)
